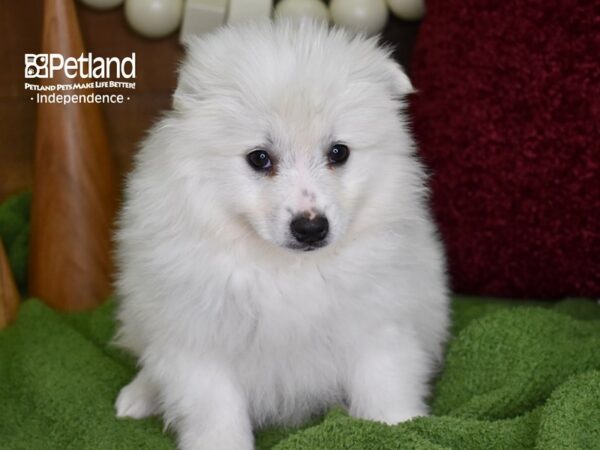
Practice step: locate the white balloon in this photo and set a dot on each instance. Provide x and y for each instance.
(315, 9)
(368, 16)
(154, 18)
(407, 9)
(102, 4)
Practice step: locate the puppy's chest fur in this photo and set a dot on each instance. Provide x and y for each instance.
(290, 334)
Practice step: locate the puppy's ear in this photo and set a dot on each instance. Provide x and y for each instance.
(399, 82)
(183, 95)
(188, 89)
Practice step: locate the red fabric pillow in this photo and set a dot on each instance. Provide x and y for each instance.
(507, 116)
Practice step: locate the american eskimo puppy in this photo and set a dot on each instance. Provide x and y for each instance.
(276, 253)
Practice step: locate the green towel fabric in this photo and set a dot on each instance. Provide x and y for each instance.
(517, 376)
(14, 232)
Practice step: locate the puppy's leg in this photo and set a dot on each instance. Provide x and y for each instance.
(203, 402)
(138, 399)
(388, 382)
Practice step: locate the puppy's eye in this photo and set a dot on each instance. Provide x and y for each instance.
(259, 160)
(338, 154)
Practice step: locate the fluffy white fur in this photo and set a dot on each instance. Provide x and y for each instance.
(233, 330)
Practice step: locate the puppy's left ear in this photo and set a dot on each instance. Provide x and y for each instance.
(190, 70)
(184, 95)
(399, 81)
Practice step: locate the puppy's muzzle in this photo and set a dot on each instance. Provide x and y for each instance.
(310, 231)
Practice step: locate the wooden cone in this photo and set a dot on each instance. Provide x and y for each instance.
(74, 195)
(9, 296)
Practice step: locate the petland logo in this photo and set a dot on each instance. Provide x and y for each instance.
(87, 72)
(45, 65)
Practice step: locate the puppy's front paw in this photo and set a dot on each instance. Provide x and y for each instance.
(390, 415)
(401, 415)
(217, 439)
(137, 400)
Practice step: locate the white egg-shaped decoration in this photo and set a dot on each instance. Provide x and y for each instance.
(314, 9)
(367, 16)
(243, 10)
(407, 9)
(102, 4)
(154, 18)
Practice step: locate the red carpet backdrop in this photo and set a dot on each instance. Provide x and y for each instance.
(507, 117)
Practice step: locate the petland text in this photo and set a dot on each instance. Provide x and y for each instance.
(45, 65)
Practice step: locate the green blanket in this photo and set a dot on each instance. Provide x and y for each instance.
(14, 232)
(516, 377)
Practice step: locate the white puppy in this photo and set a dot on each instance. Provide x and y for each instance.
(276, 253)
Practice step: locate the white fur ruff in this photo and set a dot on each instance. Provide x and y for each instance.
(233, 330)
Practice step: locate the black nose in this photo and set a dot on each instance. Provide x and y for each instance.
(310, 231)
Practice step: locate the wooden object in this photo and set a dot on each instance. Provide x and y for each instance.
(74, 188)
(9, 296)
(202, 16)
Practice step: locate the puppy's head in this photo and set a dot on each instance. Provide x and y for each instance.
(293, 132)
